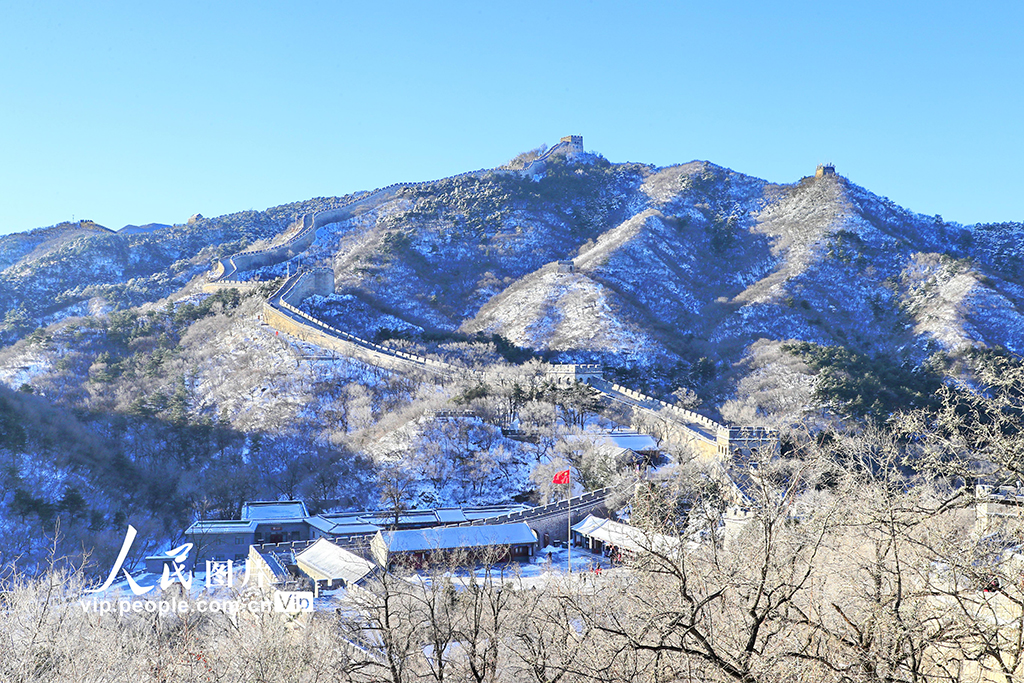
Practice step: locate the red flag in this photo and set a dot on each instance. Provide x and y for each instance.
(561, 478)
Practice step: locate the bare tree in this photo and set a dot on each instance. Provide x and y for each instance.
(722, 611)
(396, 489)
(544, 646)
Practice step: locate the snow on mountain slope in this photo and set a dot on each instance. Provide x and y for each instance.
(954, 305)
(671, 265)
(703, 182)
(666, 271)
(435, 253)
(568, 312)
(21, 248)
(643, 250)
(689, 276)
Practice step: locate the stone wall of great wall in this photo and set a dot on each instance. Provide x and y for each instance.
(570, 144)
(317, 281)
(670, 431)
(225, 271)
(670, 423)
(674, 425)
(706, 437)
(281, 313)
(549, 521)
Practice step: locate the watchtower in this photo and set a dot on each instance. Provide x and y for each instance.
(575, 142)
(825, 169)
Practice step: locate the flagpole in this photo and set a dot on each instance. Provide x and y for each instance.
(565, 477)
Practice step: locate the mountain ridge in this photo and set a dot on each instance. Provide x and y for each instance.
(692, 283)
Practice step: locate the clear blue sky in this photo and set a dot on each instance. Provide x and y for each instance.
(148, 112)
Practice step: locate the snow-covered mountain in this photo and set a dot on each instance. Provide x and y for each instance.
(691, 277)
(674, 265)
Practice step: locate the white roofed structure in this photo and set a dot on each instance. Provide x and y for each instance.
(274, 509)
(344, 527)
(221, 526)
(329, 563)
(601, 533)
(620, 445)
(639, 443)
(419, 544)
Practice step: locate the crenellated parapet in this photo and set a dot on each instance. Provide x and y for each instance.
(569, 373)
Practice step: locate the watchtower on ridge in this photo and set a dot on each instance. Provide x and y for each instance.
(575, 143)
(825, 169)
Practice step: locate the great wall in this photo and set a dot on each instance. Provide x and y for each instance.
(225, 271)
(709, 439)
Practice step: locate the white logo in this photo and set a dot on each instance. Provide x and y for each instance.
(293, 602)
(219, 574)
